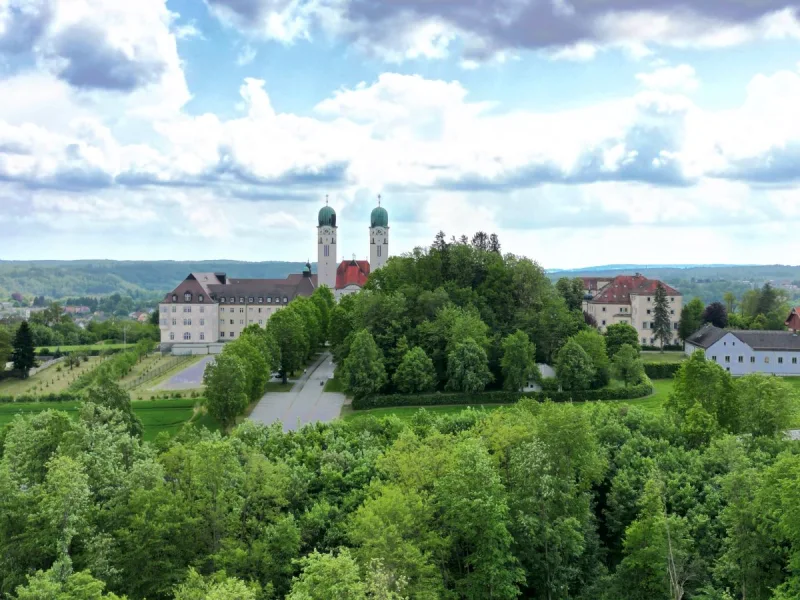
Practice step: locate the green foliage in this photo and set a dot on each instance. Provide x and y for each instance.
(572, 292)
(6, 348)
(574, 367)
(326, 576)
(628, 367)
(691, 318)
(595, 346)
(518, 362)
(766, 403)
(662, 326)
(108, 394)
(287, 328)
(363, 372)
(51, 585)
(618, 335)
(416, 373)
(23, 356)
(467, 367)
(661, 370)
(226, 388)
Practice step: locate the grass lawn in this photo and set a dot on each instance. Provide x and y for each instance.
(334, 385)
(156, 416)
(663, 357)
(277, 386)
(49, 381)
(86, 348)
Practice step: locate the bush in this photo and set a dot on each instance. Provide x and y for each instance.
(661, 370)
(501, 397)
(667, 347)
(63, 397)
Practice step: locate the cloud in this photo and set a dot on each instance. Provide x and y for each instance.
(682, 78)
(246, 56)
(575, 30)
(95, 44)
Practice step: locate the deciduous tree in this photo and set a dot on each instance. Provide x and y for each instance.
(716, 314)
(627, 365)
(518, 362)
(226, 388)
(574, 367)
(691, 318)
(468, 368)
(363, 372)
(595, 346)
(619, 334)
(416, 373)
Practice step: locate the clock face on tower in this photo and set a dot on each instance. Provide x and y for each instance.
(379, 231)
(326, 231)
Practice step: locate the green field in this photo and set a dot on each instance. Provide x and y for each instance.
(86, 348)
(663, 357)
(49, 381)
(156, 416)
(334, 385)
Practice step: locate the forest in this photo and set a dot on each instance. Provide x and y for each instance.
(538, 500)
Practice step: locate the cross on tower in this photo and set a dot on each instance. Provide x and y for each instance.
(379, 199)
(326, 199)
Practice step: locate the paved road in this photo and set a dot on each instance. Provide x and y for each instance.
(306, 403)
(188, 379)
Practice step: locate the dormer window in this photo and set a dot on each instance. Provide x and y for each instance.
(269, 299)
(174, 297)
(187, 297)
(222, 300)
(250, 299)
(285, 300)
(261, 300)
(200, 298)
(241, 300)
(233, 300)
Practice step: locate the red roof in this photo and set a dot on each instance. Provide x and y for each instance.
(793, 322)
(622, 286)
(593, 283)
(352, 272)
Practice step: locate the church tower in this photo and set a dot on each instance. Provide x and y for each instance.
(326, 247)
(378, 237)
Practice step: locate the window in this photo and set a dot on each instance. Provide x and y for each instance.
(164, 309)
(648, 299)
(241, 321)
(221, 334)
(741, 359)
(604, 322)
(231, 321)
(202, 336)
(241, 300)
(672, 299)
(269, 299)
(201, 298)
(241, 310)
(672, 312)
(222, 300)
(285, 300)
(163, 321)
(261, 322)
(644, 324)
(174, 309)
(780, 360)
(187, 309)
(187, 297)
(644, 341)
(727, 359)
(172, 336)
(714, 358)
(326, 250)
(260, 300)
(174, 321)
(260, 309)
(724, 343)
(202, 322)
(187, 336)
(250, 299)
(202, 309)
(233, 334)
(766, 360)
(233, 300)
(648, 311)
(675, 325)
(794, 360)
(174, 297)
(604, 309)
(752, 359)
(379, 250)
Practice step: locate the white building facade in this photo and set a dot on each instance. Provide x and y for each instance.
(745, 352)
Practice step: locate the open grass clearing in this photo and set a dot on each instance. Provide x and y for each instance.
(157, 416)
(672, 356)
(48, 381)
(85, 348)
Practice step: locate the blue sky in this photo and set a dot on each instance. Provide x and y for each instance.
(581, 132)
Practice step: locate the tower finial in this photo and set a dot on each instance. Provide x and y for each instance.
(379, 199)
(326, 199)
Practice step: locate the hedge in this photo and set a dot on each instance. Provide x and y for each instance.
(667, 347)
(63, 397)
(500, 397)
(656, 370)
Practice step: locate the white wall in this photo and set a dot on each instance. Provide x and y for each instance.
(378, 247)
(174, 323)
(326, 265)
(728, 351)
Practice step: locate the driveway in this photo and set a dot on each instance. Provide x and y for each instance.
(306, 403)
(188, 379)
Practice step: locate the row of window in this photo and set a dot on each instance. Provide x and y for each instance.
(186, 322)
(187, 337)
(241, 310)
(186, 309)
(187, 297)
(252, 300)
(753, 359)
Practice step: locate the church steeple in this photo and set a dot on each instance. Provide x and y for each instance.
(327, 233)
(379, 236)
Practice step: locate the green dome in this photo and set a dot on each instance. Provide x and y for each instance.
(327, 217)
(379, 217)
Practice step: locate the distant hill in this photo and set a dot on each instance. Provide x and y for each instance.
(61, 279)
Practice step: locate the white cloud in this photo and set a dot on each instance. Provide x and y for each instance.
(246, 55)
(681, 78)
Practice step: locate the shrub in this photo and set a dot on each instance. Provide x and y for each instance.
(502, 397)
(661, 370)
(27, 398)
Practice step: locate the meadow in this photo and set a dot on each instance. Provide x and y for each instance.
(49, 381)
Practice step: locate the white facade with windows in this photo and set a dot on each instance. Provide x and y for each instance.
(745, 352)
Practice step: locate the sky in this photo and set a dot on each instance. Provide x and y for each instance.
(582, 132)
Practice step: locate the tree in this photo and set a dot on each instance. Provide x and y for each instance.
(50, 585)
(494, 243)
(416, 373)
(226, 388)
(620, 334)
(154, 318)
(716, 314)
(595, 346)
(768, 300)
(363, 372)
(729, 298)
(286, 326)
(574, 367)
(256, 366)
(6, 349)
(23, 356)
(766, 404)
(691, 318)
(572, 292)
(216, 587)
(468, 368)
(326, 576)
(108, 394)
(627, 365)
(662, 326)
(518, 362)
(589, 320)
(480, 241)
